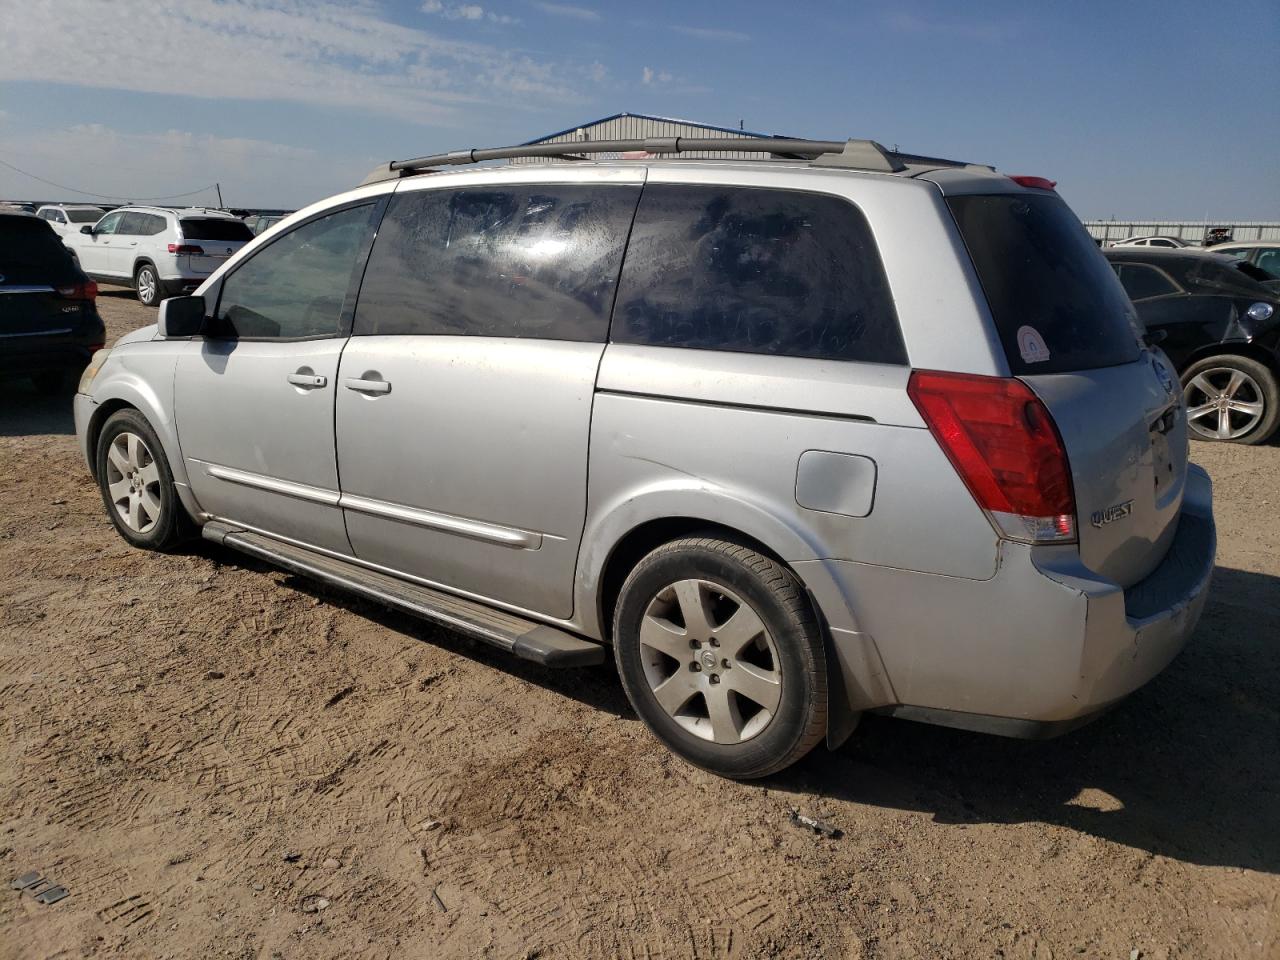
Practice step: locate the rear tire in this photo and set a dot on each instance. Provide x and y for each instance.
(137, 484)
(721, 655)
(1231, 399)
(146, 281)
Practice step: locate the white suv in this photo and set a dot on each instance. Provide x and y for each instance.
(158, 251)
(67, 219)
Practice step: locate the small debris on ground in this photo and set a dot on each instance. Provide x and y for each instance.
(314, 904)
(435, 895)
(798, 819)
(292, 857)
(214, 675)
(331, 863)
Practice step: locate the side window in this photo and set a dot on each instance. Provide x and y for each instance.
(296, 286)
(153, 224)
(57, 216)
(1269, 262)
(1142, 282)
(756, 271)
(133, 225)
(538, 261)
(110, 223)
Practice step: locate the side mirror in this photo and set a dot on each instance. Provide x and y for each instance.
(181, 318)
(87, 228)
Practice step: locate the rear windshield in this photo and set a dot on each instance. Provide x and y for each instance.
(30, 252)
(210, 228)
(84, 216)
(1056, 303)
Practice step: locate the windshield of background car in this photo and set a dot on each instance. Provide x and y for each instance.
(214, 228)
(84, 216)
(1238, 279)
(1056, 303)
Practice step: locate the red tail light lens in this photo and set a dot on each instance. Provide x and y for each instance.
(1035, 183)
(80, 291)
(185, 248)
(1002, 441)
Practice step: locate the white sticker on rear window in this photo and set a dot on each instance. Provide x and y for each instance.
(1031, 345)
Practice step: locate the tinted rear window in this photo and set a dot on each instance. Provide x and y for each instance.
(30, 252)
(198, 228)
(1056, 303)
(84, 216)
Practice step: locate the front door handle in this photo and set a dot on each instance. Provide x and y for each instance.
(307, 380)
(366, 386)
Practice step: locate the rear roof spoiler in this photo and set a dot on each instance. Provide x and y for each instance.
(848, 154)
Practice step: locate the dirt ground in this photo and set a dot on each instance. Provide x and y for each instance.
(221, 760)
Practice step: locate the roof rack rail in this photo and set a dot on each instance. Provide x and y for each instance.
(851, 154)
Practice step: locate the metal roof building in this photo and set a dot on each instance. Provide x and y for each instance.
(636, 126)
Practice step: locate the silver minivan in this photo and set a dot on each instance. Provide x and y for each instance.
(842, 431)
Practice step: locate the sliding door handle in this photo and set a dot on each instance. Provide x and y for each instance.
(307, 380)
(360, 385)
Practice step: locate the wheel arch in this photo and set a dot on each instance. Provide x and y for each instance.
(1235, 348)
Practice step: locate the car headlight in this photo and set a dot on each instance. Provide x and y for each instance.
(95, 364)
(1260, 311)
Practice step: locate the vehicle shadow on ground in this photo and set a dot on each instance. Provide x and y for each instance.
(1187, 768)
(595, 687)
(26, 412)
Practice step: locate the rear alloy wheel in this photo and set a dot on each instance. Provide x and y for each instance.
(1232, 399)
(137, 485)
(147, 283)
(721, 655)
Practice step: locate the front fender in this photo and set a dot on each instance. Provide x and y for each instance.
(141, 378)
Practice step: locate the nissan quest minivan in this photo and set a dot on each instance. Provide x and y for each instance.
(842, 431)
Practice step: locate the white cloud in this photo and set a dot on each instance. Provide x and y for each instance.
(566, 10)
(711, 33)
(166, 163)
(968, 28)
(468, 11)
(323, 53)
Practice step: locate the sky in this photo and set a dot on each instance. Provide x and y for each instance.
(1158, 110)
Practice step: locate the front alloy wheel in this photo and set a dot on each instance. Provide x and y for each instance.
(1231, 399)
(137, 484)
(133, 482)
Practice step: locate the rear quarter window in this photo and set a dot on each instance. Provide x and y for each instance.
(753, 270)
(1055, 300)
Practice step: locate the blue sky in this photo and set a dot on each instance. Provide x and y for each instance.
(1141, 109)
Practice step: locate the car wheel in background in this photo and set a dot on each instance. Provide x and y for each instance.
(137, 484)
(147, 282)
(721, 655)
(1231, 399)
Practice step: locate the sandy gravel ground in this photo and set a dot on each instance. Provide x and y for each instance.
(221, 760)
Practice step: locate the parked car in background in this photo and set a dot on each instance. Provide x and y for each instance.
(1220, 321)
(1166, 242)
(158, 251)
(1263, 254)
(752, 424)
(260, 223)
(1216, 235)
(67, 219)
(17, 206)
(49, 323)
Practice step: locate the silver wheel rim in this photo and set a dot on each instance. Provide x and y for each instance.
(146, 285)
(709, 661)
(1223, 403)
(133, 482)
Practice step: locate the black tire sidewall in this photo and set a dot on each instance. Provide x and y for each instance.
(1263, 376)
(798, 643)
(155, 276)
(170, 529)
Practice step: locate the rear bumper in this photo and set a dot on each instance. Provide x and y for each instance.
(1041, 647)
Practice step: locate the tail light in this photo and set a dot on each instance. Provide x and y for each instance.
(1035, 183)
(1002, 441)
(185, 248)
(86, 290)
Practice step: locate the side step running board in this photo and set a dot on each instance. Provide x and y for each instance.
(524, 638)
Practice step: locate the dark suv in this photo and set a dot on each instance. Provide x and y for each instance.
(49, 323)
(1220, 322)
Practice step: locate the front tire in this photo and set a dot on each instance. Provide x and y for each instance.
(137, 484)
(721, 655)
(1231, 399)
(147, 284)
